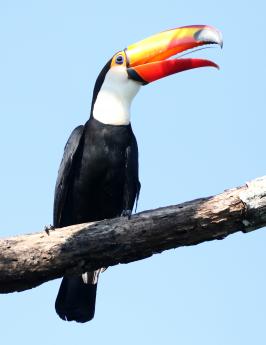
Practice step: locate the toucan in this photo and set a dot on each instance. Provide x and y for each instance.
(98, 176)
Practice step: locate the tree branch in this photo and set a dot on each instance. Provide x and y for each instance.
(30, 260)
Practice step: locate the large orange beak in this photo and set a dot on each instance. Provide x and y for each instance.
(148, 60)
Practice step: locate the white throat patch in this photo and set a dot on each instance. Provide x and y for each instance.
(112, 105)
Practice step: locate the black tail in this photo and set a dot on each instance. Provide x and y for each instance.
(75, 300)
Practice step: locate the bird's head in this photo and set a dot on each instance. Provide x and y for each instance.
(144, 62)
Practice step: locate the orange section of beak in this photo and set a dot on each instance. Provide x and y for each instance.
(147, 59)
(171, 42)
(150, 72)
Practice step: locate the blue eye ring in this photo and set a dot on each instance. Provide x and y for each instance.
(119, 59)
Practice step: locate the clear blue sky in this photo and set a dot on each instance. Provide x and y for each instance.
(199, 133)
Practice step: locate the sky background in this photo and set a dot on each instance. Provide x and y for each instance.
(199, 132)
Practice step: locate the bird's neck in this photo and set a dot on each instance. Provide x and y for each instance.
(111, 109)
(113, 102)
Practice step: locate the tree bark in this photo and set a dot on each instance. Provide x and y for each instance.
(30, 260)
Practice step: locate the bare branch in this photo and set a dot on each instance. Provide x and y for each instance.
(30, 260)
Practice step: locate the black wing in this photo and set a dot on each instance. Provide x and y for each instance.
(65, 172)
(132, 184)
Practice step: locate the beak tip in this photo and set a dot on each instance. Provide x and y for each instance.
(209, 35)
(216, 66)
(220, 41)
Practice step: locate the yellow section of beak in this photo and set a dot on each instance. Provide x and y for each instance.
(168, 43)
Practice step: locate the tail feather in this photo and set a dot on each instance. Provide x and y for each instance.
(76, 300)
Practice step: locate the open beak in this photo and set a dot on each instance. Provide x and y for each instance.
(148, 60)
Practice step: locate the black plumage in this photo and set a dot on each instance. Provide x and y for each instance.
(97, 179)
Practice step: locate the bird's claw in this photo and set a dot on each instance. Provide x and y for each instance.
(126, 213)
(47, 228)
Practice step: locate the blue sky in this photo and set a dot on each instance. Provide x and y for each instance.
(199, 132)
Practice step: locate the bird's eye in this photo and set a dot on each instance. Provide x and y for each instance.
(119, 59)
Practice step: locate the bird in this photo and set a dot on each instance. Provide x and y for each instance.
(98, 177)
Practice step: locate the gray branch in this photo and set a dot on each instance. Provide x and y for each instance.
(30, 260)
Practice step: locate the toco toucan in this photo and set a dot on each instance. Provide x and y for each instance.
(98, 175)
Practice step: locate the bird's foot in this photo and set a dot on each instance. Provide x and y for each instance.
(47, 228)
(126, 213)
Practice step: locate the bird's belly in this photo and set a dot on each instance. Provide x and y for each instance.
(99, 191)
